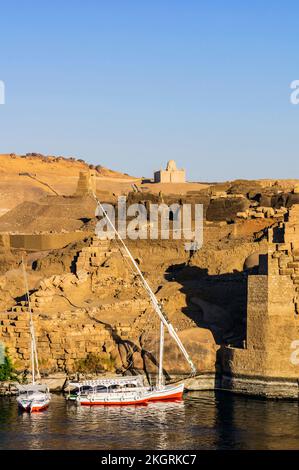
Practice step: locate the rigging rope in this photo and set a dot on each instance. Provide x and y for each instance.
(149, 291)
(31, 326)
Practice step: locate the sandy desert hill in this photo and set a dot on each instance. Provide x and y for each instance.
(34, 186)
(54, 175)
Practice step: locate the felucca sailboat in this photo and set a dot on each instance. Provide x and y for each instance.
(34, 396)
(132, 390)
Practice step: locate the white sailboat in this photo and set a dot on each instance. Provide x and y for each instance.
(132, 390)
(35, 396)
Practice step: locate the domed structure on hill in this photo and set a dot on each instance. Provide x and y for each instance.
(171, 166)
(171, 174)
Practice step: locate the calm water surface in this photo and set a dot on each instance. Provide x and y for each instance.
(205, 420)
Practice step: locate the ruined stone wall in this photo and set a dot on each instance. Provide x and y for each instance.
(266, 365)
(45, 241)
(4, 240)
(86, 183)
(62, 341)
(70, 329)
(291, 234)
(272, 326)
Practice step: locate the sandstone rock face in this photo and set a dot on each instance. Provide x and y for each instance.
(99, 315)
(200, 345)
(234, 303)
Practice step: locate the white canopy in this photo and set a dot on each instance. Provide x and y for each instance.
(107, 382)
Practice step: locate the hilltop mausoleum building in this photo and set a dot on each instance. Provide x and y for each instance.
(171, 174)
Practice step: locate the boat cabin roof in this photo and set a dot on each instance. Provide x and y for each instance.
(107, 382)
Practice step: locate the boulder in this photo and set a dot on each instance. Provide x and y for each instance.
(242, 215)
(226, 208)
(200, 344)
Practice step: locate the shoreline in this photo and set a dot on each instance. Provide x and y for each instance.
(269, 388)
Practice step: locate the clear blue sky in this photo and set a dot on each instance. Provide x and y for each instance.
(130, 84)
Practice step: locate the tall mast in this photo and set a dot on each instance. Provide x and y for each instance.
(152, 296)
(34, 359)
(160, 377)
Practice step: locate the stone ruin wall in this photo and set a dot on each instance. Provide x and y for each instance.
(265, 366)
(65, 339)
(86, 183)
(4, 241)
(45, 241)
(62, 342)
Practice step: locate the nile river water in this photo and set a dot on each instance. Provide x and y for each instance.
(205, 420)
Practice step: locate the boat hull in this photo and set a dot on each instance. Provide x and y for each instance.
(33, 407)
(38, 408)
(33, 404)
(112, 403)
(166, 393)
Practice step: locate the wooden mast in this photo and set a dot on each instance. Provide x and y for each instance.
(34, 358)
(160, 377)
(152, 296)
